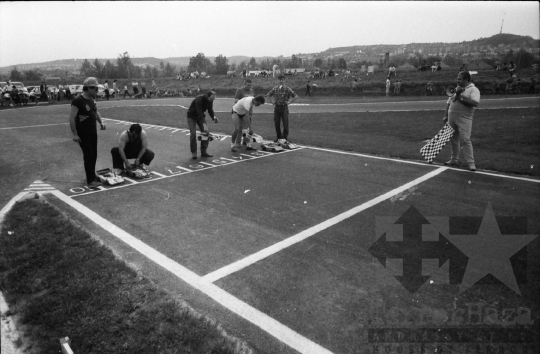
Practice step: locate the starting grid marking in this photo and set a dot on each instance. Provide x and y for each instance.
(175, 170)
(178, 170)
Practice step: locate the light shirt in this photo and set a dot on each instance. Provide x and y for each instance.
(458, 109)
(243, 106)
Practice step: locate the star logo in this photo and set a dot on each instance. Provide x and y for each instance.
(489, 252)
(466, 258)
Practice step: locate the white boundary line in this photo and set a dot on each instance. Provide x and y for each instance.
(242, 309)
(33, 126)
(277, 247)
(421, 163)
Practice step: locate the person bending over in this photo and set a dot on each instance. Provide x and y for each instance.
(133, 144)
(239, 111)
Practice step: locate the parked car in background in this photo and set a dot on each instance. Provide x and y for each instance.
(75, 90)
(101, 92)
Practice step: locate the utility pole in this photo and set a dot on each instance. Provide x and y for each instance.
(502, 26)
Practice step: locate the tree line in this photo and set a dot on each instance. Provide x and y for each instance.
(125, 69)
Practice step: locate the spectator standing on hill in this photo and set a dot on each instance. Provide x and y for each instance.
(531, 87)
(240, 121)
(43, 90)
(135, 86)
(512, 68)
(459, 114)
(308, 89)
(281, 97)
(82, 119)
(196, 117)
(115, 89)
(126, 92)
(354, 85)
(143, 89)
(508, 87)
(396, 86)
(388, 86)
(106, 89)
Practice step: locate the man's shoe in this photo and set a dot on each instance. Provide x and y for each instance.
(94, 184)
(250, 148)
(194, 156)
(472, 167)
(451, 162)
(233, 148)
(205, 154)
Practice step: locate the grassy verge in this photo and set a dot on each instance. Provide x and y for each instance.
(60, 281)
(504, 140)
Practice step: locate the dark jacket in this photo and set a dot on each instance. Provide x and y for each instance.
(200, 105)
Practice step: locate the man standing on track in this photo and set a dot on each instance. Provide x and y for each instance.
(281, 98)
(459, 114)
(195, 116)
(82, 120)
(115, 89)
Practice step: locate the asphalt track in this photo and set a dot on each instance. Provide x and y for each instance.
(272, 245)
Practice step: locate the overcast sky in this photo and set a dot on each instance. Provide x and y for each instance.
(34, 32)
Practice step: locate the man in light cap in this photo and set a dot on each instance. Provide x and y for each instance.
(82, 120)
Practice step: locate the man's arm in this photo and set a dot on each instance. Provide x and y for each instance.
(144, 139)
(98, 117)
(271, 95)
(121, 147)
(72, 115)
(294, 96)
(467, 101)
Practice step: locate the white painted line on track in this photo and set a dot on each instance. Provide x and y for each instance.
(422, 164)
(262, 254)
(242, 309)
(33, 126)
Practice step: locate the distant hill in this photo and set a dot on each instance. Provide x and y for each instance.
(503, 40)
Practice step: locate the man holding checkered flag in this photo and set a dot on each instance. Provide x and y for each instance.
(458, 117)
(459, 113)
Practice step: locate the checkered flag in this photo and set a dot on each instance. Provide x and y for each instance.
(435, 145)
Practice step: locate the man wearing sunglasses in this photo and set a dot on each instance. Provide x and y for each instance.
(82, 120)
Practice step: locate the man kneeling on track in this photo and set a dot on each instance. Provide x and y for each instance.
(133, 143)
(239, 111)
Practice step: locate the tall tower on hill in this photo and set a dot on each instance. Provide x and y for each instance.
(502, 26)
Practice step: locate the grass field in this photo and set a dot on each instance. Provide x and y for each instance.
(50, 267)
(503, 140)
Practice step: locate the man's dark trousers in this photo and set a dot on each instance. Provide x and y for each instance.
(281, 112)
(146, 158)
(192, 123)
(88, 145)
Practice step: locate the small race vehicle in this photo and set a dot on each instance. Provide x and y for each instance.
(108, 177)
